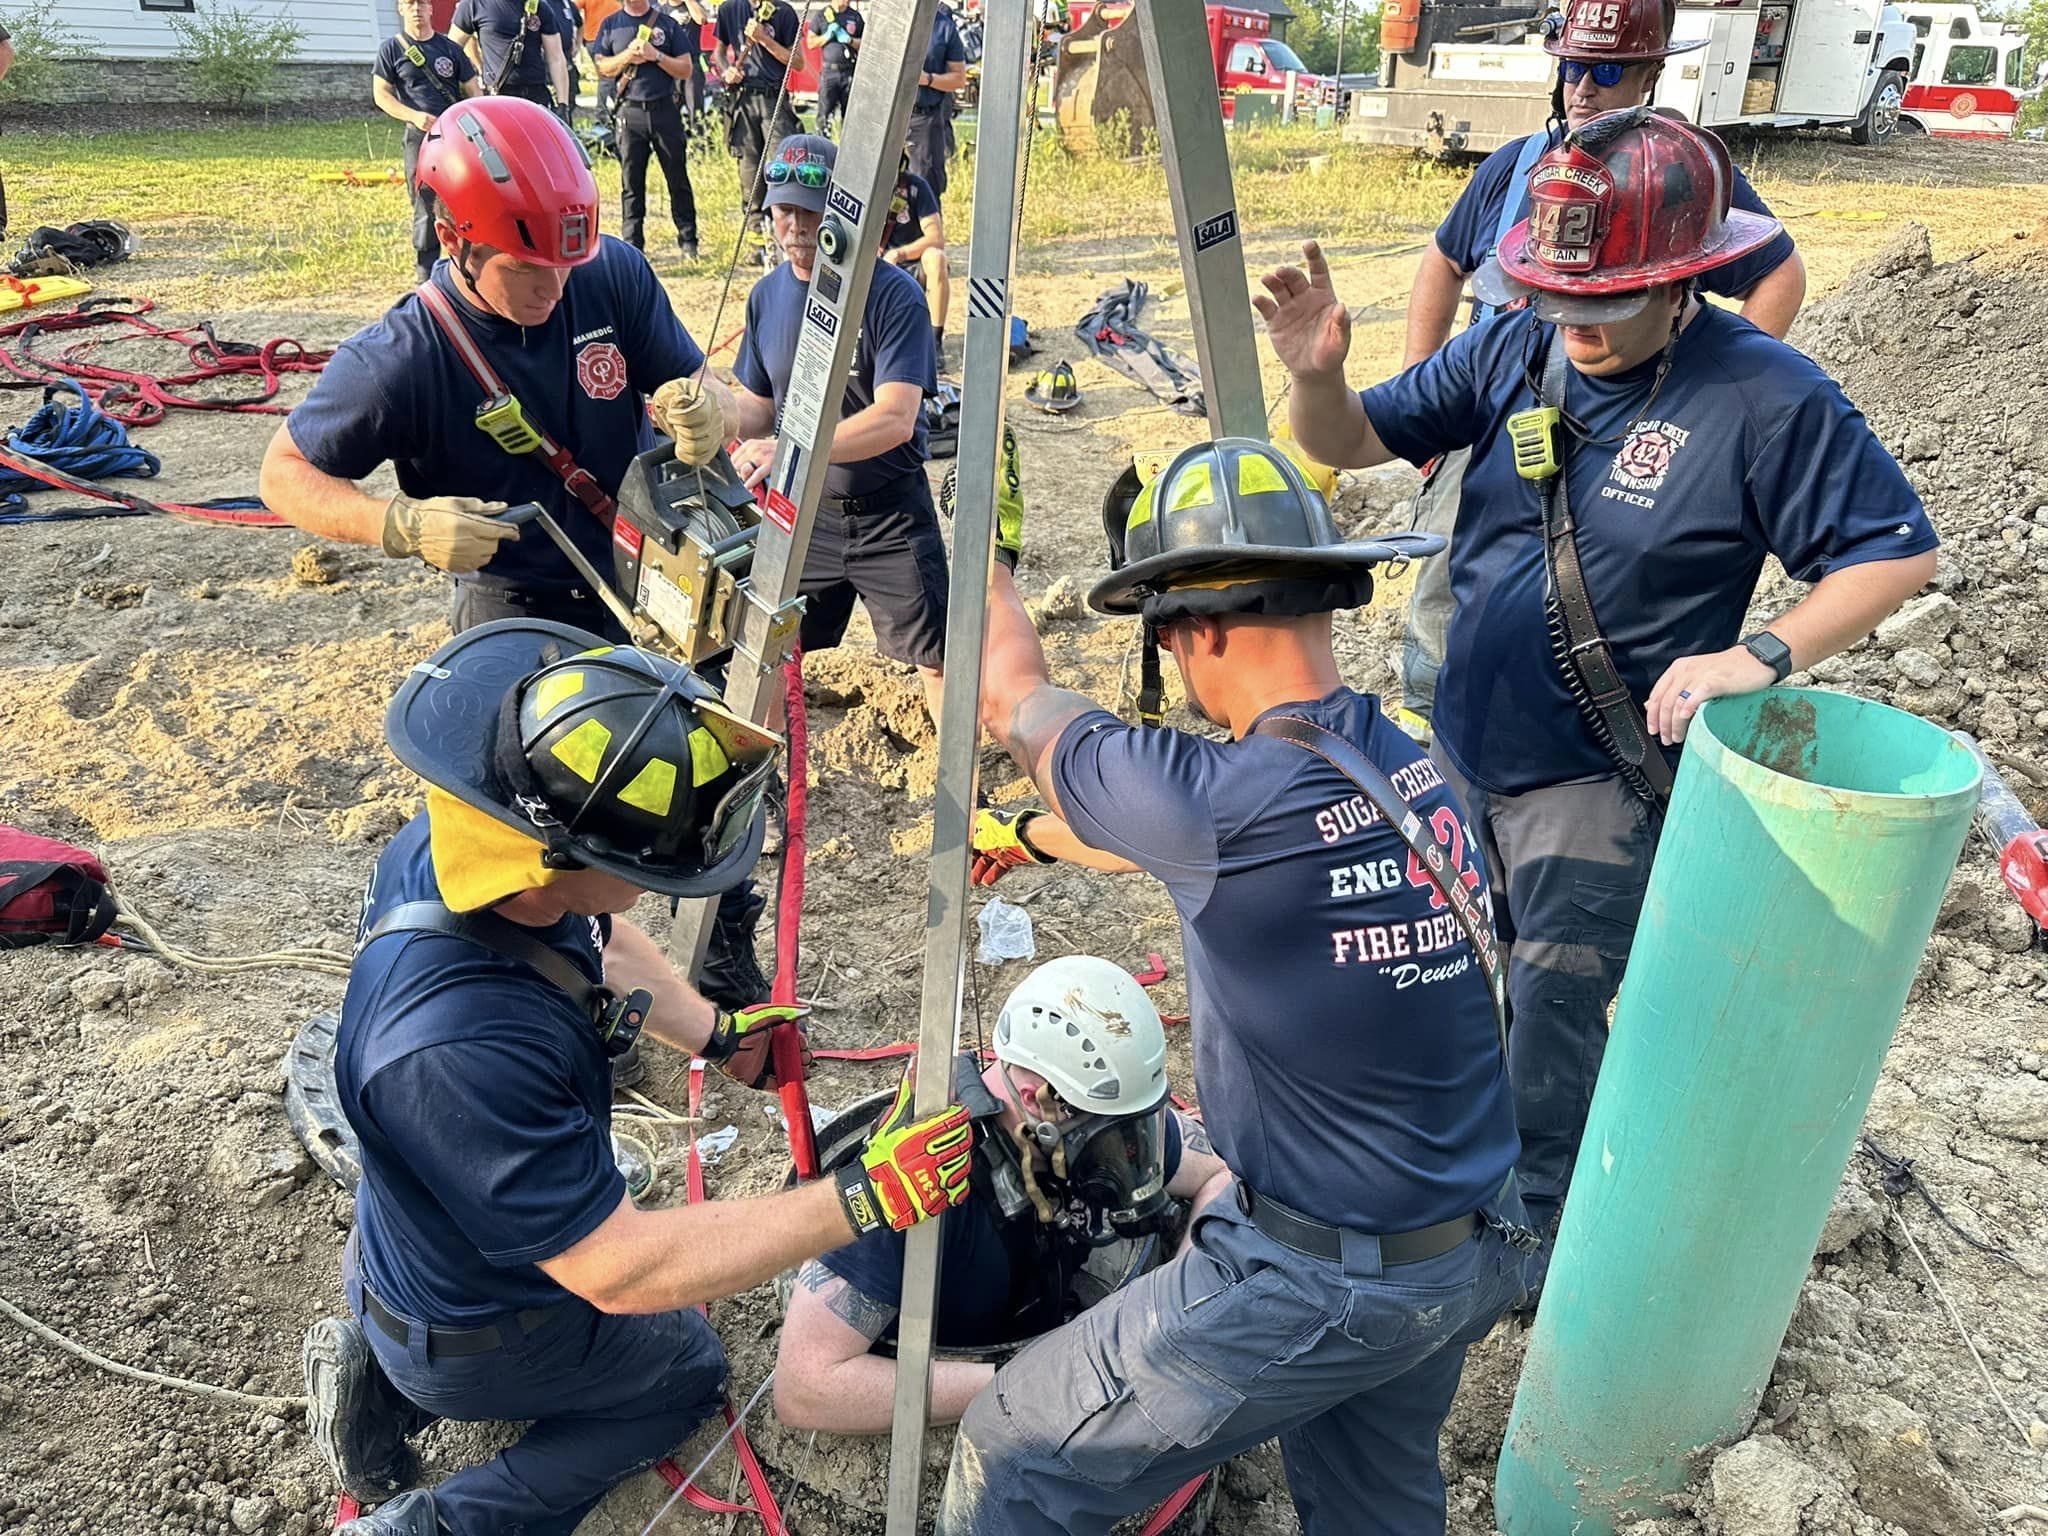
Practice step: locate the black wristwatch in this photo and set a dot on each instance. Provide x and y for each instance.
(1772, 652)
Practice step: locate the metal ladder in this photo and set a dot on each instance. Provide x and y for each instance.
(1197, 167)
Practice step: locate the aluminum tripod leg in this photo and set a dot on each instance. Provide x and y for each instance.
(1197, 161)
(998, 167)
(857, 212)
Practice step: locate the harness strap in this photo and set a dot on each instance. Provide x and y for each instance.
(517, 50)
(1515, 202)
(1583, 653)
(580, 482)
(501, 937)
(1439, 858)
(418, 56)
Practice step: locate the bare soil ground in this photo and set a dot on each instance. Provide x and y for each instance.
(205, 710)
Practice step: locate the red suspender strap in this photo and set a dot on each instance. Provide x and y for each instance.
(581, 483)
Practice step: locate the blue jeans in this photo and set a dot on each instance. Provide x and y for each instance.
(1237, 1340)
(609, 1396)
(1570, 864)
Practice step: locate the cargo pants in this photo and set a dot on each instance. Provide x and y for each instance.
(1569, 865)
(1237, 1340)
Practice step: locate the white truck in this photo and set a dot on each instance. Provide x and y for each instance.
(1471, 77)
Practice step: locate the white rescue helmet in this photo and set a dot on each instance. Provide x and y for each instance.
(1088, 1029)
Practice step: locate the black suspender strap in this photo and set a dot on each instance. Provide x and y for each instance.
(1438, 859)
(1583, 653)
(424, 65)
(501, 937)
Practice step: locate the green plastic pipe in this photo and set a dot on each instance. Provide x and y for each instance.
(1809, 840)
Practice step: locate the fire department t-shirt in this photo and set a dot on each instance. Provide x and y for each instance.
(644, 82)
(906, 223)
(1467, 234)
(1749, 449)
(762, 72)
(432, 86)
(395, 392)
(894, 347)
(482, 1098)
(495, 23)
(987, 1268)
(945, 49)
(1345, 1048)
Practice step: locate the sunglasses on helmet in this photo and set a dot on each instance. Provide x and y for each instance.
(805, 173)
(1606, 75)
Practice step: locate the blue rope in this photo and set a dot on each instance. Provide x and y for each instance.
(78, 439)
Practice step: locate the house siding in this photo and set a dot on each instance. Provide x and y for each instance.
(335, 31)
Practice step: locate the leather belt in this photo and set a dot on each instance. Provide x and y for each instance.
(452, 1341)
(881, 497)
(1320, 1240)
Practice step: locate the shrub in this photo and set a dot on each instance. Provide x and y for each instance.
(42, 49)
(233, 54)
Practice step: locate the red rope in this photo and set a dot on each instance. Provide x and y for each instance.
(786, 1042)
(140, 399)
(257, 516)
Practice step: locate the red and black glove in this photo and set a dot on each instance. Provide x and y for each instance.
(909, 1170)
(1001, 843)
(741, 1044)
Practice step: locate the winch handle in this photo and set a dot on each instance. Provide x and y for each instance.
(519, 516)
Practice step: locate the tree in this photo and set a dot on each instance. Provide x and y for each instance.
(1313, 35)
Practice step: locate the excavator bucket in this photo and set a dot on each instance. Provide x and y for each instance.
(1100, 74)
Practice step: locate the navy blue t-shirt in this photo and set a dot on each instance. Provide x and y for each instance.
(482, 1098)
(982, 1259)
(918, 203)
(835, 57)
(1345, 1046)
(396, 392)
(432, 85)
(762, 70)
(894, 347)
(1749, 449)
(644, 82)
(495, 23)
(1468, 233)
(944, 51)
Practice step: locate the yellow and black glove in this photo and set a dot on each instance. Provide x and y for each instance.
(1001, 844)
(450, 533)
(1009, 534)
(741, 1043)
(686, 411)
(909, 1170)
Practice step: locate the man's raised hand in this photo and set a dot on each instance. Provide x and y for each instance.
(1309, 327)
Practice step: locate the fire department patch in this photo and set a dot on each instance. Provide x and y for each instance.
(601, 370)
(1646, 456)
(444, 67)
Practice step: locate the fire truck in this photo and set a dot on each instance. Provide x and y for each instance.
(1968, 75)
(1465, 79)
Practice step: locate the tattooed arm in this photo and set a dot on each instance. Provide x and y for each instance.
(826, 1379)
(1199, 1164)
(1019, 705)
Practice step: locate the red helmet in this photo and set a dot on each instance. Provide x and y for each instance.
(513, 177)
(1630, 201)
(1618, 31)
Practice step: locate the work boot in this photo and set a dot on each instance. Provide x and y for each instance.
(628, 1070)
(356, 1417)
(410, 1514)
(688, 249)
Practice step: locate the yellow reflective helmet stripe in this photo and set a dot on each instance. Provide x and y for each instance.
(707, 757)
(582, 750)
(653, 789)
(1141, 512)
(1256, 473)
(1194, 487)
(554, 690)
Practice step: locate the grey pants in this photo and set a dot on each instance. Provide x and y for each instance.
(1429, 608)
(1569, 865)
(1237, 1340)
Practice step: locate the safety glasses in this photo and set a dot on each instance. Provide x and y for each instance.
(1606, 75)
(805, 173)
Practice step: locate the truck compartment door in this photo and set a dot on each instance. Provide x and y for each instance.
(1826, 59)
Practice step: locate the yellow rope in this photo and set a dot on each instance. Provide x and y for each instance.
(301, 957)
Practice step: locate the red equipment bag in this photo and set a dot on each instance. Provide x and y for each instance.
(50, 892)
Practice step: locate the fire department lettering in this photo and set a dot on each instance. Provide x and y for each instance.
(1396, 941)
(1353, 815)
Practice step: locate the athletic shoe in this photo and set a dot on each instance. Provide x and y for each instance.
(410, 1514)
(355, 1416)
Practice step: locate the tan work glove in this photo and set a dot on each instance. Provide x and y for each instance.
(451, 533)
(685, 410)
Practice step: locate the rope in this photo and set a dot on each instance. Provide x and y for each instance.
(301, 957)
(276, 1405)
(786, 1043)
(682, 1484)
(137, 398)
(244, 512)
(78, 439)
